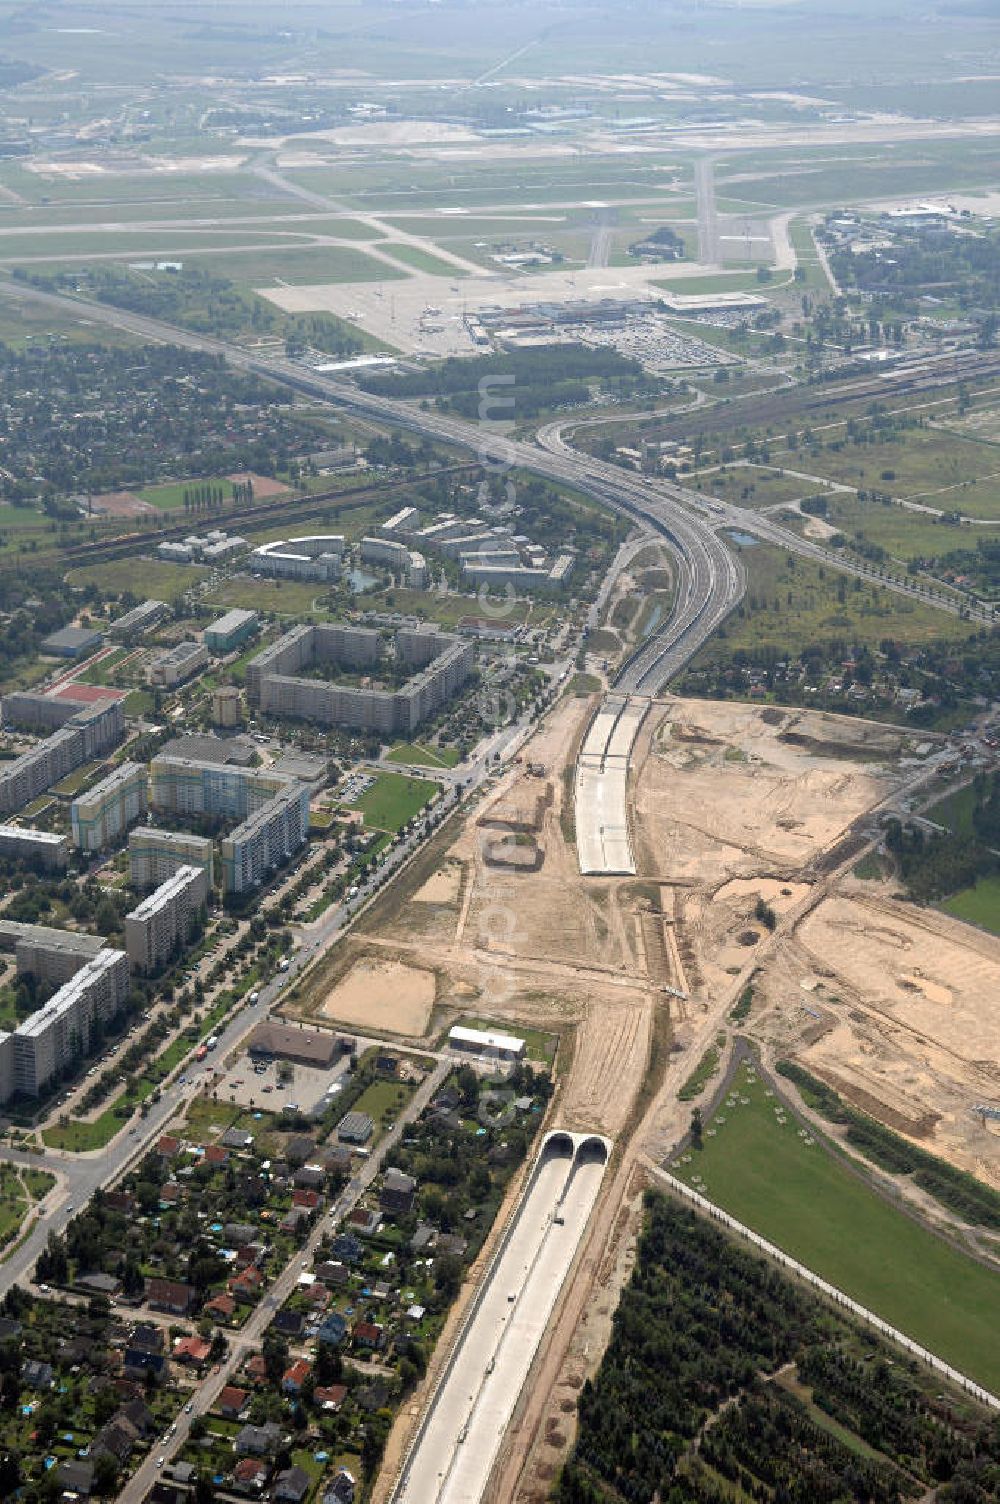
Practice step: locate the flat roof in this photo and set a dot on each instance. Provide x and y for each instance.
(231, 621)
(486, 1039)
(168, 890)
(24, 833)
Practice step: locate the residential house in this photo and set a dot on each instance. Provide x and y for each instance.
(37, 1375)
(232, 1402)
(333, 1330)
(341, 1489)
(220, 1308)
(246, 1285)
(215, 1156)
(258, 1441)
(310, 1200)
(299, 1149)
(117, 1438)
(310, 1178)
(255, 1368)
(76, 1476)
(167, 1146)
(237, 1138)
(169, 1295)
(330, 1397)
(291, 1486)
(332, 1272)
(398, 1190)
(295, 1376)
(137, 1363)
(146, 1337)
(250, 1475)
(138, 1414)
(193, 1350)
(368, 1334)
(295, 1220)
(347, 1248)
(364, 1221)
(288, 1323)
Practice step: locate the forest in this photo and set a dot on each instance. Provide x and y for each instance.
(724, 1379)
(517, 385)
(936, 863)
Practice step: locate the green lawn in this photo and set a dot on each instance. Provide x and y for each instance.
(701, 1075)
(423, 756)
(280, 597)
(979, 905)
(393, 799)
(421, 260)
(170, 497)
(152, 577)
(816, 1209)
(383, 1098)
(793, 603)
(955, 811)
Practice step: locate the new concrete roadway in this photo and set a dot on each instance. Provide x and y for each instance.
(456, 1445)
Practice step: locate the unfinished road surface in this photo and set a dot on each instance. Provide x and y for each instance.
(456, 1446)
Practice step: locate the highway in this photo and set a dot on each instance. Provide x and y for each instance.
(710, 580)
(454, 1449)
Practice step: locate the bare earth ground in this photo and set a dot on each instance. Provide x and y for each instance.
(263, 485)
(121, 504)
(731, 804)
(377, 994)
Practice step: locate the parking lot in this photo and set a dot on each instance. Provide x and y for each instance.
(255, 1084)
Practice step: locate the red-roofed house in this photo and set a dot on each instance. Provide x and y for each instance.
(368, 1334)
(232, 1402)
(256, 1369)
(167, 1146)
(309, 1199)
(250, 1475)
(191, 1350)
(215, 1154)
(294, 1377)
(330, 1396)
(222, 1307)
(246, 1285)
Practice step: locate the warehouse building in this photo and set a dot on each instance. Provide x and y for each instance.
(486, 1044)
(154, 855)
(71, 642)
(160, 926)
(103, 815)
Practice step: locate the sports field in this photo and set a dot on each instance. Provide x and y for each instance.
(811, 1204)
